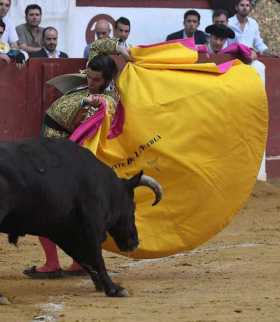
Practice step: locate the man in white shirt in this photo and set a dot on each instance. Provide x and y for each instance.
(246, 28)
(122, 30)
(10, 35)
(247, 32)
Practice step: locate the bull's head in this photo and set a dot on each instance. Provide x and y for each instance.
(124, 230)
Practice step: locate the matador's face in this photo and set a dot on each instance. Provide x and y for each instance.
(96, 81)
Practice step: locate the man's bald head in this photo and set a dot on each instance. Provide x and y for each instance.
(102, 29)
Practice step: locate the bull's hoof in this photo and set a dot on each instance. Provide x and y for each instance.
(117, 292)
(4, 300)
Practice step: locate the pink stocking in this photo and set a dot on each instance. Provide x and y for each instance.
(52, 263)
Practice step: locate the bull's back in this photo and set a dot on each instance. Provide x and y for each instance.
(56, 162)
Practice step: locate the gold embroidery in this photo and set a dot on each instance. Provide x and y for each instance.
(106, 46)
(64, 111)
(52, 133)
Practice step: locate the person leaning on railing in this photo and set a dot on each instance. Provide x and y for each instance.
(6, 53)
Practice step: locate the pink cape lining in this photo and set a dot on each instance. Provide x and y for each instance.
(237, 48)
(89, 128)
(224, 67)
(117, 123)
(189, 43)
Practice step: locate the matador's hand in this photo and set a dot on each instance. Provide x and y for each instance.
(92, 100)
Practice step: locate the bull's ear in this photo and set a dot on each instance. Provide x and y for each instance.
(134, 181)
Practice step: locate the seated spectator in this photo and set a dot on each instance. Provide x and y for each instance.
(220, 16)
(10, 35)
(7, 54)
(4, 47)
(247, 32)
(30, 33)
(191, 23)
(218, 37)
(122, 30)
(246, 28)
(102, 30)
(49, 50)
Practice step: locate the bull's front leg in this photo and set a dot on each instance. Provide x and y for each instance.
(88, 253)
(95, 266)
(101, 278)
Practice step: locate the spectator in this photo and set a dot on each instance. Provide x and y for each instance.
(191, 23)
(219, 33)
(10, 34)
(102, 30)
(6, 54)
(4, 47)
(122, 30)
(30, 33)
(246, 28)
(49, 50)
(220, 16)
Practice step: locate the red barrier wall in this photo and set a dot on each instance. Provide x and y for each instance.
(273, 93)
(24, 96)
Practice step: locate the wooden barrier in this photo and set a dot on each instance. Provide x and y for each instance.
(273, 93)
(24, 96)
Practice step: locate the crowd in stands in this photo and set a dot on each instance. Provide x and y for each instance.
(37, 41)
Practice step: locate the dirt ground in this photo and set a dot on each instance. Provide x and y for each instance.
(233, 277)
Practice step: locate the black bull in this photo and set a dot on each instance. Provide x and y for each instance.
(59, 190)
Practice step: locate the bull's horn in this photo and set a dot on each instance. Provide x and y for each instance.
(154, 185)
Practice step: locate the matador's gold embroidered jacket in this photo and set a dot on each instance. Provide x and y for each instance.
(59, 120)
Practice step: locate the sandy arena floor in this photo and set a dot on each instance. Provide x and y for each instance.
(233, 277)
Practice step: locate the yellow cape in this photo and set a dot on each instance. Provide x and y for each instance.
(199, 132)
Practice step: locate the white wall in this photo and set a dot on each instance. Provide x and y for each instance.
(148, 25)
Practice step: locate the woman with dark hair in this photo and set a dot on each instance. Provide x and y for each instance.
(62, 118)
